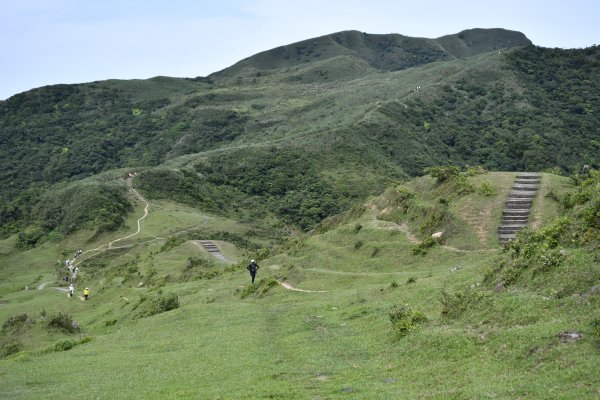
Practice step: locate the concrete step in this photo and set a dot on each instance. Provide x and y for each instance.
(519, 194)
(518, 204)
(512, 226)
(506, 220)
(502, 231)
(527, 181)
(529, 175)
(505, 238)
(516, 211)
(209, 246)
(525, 188)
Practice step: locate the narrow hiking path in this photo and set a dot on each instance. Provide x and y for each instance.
(109, 245)
(290, 287)
(43, 285)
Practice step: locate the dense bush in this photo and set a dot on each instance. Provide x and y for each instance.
(487, 188)
(443, 174)
(62, 322)
(424, 246)
(159, 303)
(15, 323)
(199, 268)
(404, 319)
(455, 304)
(64, 345)
(260, 289)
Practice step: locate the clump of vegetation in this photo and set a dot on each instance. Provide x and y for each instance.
(443, 174)
(67, 344)
(412, 279)
(159, 303)
(64, 345)
(375, 251)
(15, 323)
(595, 329)
(477, 170)
(404, 319)
(62, 322)
(199, 268)
(10, 347)
(260, 289)
(487, 188)
(424, 246)
(455, 304)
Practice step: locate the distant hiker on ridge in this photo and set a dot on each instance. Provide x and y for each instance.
(71, 290)
(252, 267)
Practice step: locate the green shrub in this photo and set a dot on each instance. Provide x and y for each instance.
(443, 174)
(595, 329)
(62, 322)
(404, 319)
(199, 268)
(424, 247)
(412, 279)
(15, 323)
(455, 304)
(29, 238)
(10, 347)
(158, 304)
(487, 188)
(260, 289)
(86, 339)
(550, 258)
(477, 170)
(357, 228)
(358, 244)
(64, 345)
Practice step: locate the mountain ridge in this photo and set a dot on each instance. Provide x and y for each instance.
(386, 52)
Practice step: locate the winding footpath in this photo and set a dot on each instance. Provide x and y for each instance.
(110, 245)
(290, 287)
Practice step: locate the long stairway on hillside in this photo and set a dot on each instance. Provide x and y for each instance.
(515, 215)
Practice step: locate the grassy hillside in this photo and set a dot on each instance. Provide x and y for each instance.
(354, 113)
(389, 52)
(376, 320)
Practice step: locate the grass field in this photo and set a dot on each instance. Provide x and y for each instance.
(228, 340)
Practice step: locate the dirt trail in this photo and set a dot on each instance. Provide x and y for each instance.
(109, 245)
(290, 287)
(43, 285)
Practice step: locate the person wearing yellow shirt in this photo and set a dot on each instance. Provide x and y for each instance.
(86, 293)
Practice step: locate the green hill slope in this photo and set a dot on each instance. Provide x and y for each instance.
(358, 125)
(371, 306)
(390, 52)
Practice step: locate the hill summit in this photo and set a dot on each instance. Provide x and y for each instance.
(385, 52)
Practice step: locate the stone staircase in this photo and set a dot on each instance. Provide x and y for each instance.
(212, 249)
(515, 215)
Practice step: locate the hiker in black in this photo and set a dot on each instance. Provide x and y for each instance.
(252, 267)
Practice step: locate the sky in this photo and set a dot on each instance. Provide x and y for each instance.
(46, 42)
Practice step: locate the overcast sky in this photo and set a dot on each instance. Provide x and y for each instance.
(45, 42)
